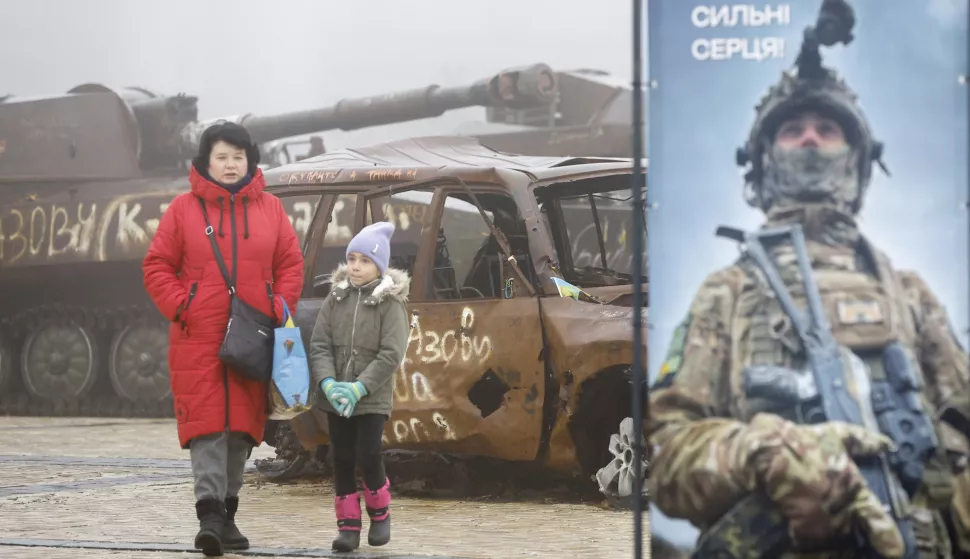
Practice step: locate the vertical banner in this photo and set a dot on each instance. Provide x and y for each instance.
(761, 116)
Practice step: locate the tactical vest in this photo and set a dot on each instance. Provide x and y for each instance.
(868, 310)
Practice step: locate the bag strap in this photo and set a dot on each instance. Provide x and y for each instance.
(215, 248)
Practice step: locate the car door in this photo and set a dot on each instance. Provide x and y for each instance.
(472, 381)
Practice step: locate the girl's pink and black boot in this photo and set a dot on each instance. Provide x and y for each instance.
(347, 508)
(378, 504)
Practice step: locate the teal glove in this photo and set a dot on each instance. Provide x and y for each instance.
(329, 387)
(348, 394)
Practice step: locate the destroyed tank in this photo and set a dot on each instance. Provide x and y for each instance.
(84, 179)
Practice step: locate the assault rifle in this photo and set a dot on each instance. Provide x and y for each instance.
(755, 528)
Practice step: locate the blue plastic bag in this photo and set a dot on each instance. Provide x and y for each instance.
(290, 386)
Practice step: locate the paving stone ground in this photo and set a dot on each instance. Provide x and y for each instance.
(126, 483)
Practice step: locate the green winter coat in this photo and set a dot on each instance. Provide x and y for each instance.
(361, 334)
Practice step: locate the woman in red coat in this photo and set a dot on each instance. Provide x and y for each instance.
(220, 413)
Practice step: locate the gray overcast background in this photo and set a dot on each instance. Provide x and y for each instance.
(265, 57)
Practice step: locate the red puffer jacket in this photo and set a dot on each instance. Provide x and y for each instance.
(183, 279)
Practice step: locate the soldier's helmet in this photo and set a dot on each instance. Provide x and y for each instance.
(823, 92)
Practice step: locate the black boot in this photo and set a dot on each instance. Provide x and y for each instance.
(347, 508)
(378, 509)
(212, 522)
(232, 538)
(346, 541)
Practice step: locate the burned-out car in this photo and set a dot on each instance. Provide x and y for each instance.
(521, 300)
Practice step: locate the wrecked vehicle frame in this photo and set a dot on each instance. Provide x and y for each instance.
(500, 364)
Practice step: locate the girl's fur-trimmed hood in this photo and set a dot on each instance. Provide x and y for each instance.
(394, 283)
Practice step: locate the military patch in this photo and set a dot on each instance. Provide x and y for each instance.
(859, 312)
(675, 356)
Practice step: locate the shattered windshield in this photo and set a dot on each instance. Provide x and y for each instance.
(593, 226)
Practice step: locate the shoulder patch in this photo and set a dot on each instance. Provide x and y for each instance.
(675, 356)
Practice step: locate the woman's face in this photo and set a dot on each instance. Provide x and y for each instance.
(227, 163)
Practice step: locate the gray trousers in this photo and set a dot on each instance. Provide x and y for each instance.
(218, 462)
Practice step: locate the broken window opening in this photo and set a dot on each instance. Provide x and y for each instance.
(469, 262)
(330, 253)
(410, 212)
(302, 209)
(590, 222)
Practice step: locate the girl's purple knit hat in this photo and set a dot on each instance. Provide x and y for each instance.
(374, 242)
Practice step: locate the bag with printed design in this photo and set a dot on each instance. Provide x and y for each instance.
(289, 391)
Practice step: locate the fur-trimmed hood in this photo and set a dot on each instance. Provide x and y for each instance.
(361, 335)
(394, 283)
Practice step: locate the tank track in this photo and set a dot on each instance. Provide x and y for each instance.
(82, 359)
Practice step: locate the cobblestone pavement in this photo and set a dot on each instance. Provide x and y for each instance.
(126, 485)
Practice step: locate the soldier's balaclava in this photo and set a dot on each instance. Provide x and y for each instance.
(788, 177)
(810, 174)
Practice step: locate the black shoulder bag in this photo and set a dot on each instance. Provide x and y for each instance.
(248, 345)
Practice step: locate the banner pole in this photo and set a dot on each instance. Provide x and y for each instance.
(639, 232)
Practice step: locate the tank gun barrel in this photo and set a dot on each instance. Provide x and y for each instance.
(518, 88)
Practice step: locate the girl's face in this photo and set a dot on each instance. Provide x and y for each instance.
(227, 163)
(361, 269)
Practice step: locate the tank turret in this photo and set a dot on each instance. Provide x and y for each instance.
(591, 117)
(95, 132)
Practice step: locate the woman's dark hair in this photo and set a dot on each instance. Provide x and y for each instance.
(231, 133)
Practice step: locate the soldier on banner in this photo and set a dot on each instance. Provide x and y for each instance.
(735, 409)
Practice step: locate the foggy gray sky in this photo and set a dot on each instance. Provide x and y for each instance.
(264, 57)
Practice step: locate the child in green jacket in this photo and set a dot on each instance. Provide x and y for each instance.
(359, 340)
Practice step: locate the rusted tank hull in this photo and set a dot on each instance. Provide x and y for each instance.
(51, 225)
(78, 333)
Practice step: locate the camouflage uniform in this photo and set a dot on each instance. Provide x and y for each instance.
(714, 445)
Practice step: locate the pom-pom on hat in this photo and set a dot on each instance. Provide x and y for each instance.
(374, 242)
